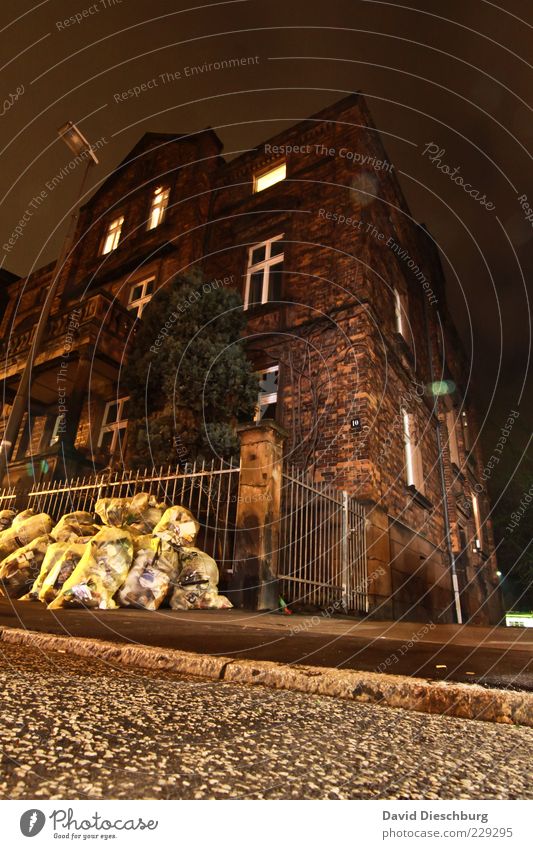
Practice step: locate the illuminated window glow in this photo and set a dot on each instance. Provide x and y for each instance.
(477, 522)
(269, 178)
(112, 237)
(414, 474)
(159, 206)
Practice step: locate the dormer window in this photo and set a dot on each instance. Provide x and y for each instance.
(159, 207)
(264, 179)
(112, 237)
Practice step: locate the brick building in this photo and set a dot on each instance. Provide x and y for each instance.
(348, 327)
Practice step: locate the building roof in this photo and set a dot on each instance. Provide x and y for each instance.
(7, 277)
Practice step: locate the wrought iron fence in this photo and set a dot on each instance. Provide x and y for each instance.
(209, 492)
(8, 498)
(322, 546)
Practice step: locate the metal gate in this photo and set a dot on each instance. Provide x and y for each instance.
(322, 559)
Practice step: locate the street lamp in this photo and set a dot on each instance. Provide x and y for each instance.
(76, 142)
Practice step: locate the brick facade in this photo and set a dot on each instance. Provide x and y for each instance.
(354, 261)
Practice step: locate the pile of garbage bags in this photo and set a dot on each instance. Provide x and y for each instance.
(142, 556)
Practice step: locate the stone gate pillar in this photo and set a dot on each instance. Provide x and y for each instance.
(378, 552)
(256, 552)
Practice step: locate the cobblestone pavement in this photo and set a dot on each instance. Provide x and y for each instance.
(73, 728)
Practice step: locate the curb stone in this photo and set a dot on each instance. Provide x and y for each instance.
(467, 701)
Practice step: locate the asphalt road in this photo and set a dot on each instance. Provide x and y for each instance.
(75, 728)
(501, 657)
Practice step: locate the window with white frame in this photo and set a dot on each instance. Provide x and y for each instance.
(401, 322)
(264, 272)
(140, 295)
(59, 427)
(112, 237)
(268, 393)
(114, 424)
(266, 178)
(414, 473)
(453, 445)
(159, 206)
(477, 522)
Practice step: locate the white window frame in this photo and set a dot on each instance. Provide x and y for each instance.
(114, 427)
(140, 303)
(400, 314)
(57, 429)
(265, 265)
(158, 208)
(414, 473)
(265, 399)
(270, 176)
(112, 236)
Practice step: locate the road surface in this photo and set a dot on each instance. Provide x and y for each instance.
(74, 728)
(501, 657)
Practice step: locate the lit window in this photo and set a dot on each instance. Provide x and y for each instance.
(263, 276)
(159, 206)
(265, 179)
(113, 235)
(413, 458)
(59, 427)
(451, 425)
(140, 295)
(268, 393)
(114, 424)
(477, 522)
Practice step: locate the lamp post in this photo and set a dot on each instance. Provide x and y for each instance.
(78, 144)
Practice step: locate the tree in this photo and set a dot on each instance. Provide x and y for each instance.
(513, 516)
(188, 375)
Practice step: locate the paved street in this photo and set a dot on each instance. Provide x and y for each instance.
(494, 656)
(73, 728)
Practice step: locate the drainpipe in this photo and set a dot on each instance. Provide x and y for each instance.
(449, 546)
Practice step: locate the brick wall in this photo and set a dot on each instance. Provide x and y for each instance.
(349, 244)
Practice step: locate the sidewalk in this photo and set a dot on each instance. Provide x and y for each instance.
(501, 657)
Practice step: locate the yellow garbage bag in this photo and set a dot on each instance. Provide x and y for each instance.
(19, 569)
(61, 569)
(23, 531)
(6, 518)
(155, 567)
(177, 527)
(141, 511)
(75, 526)
(102, 569)
(196, 587)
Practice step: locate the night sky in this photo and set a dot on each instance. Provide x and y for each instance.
(455, 74)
